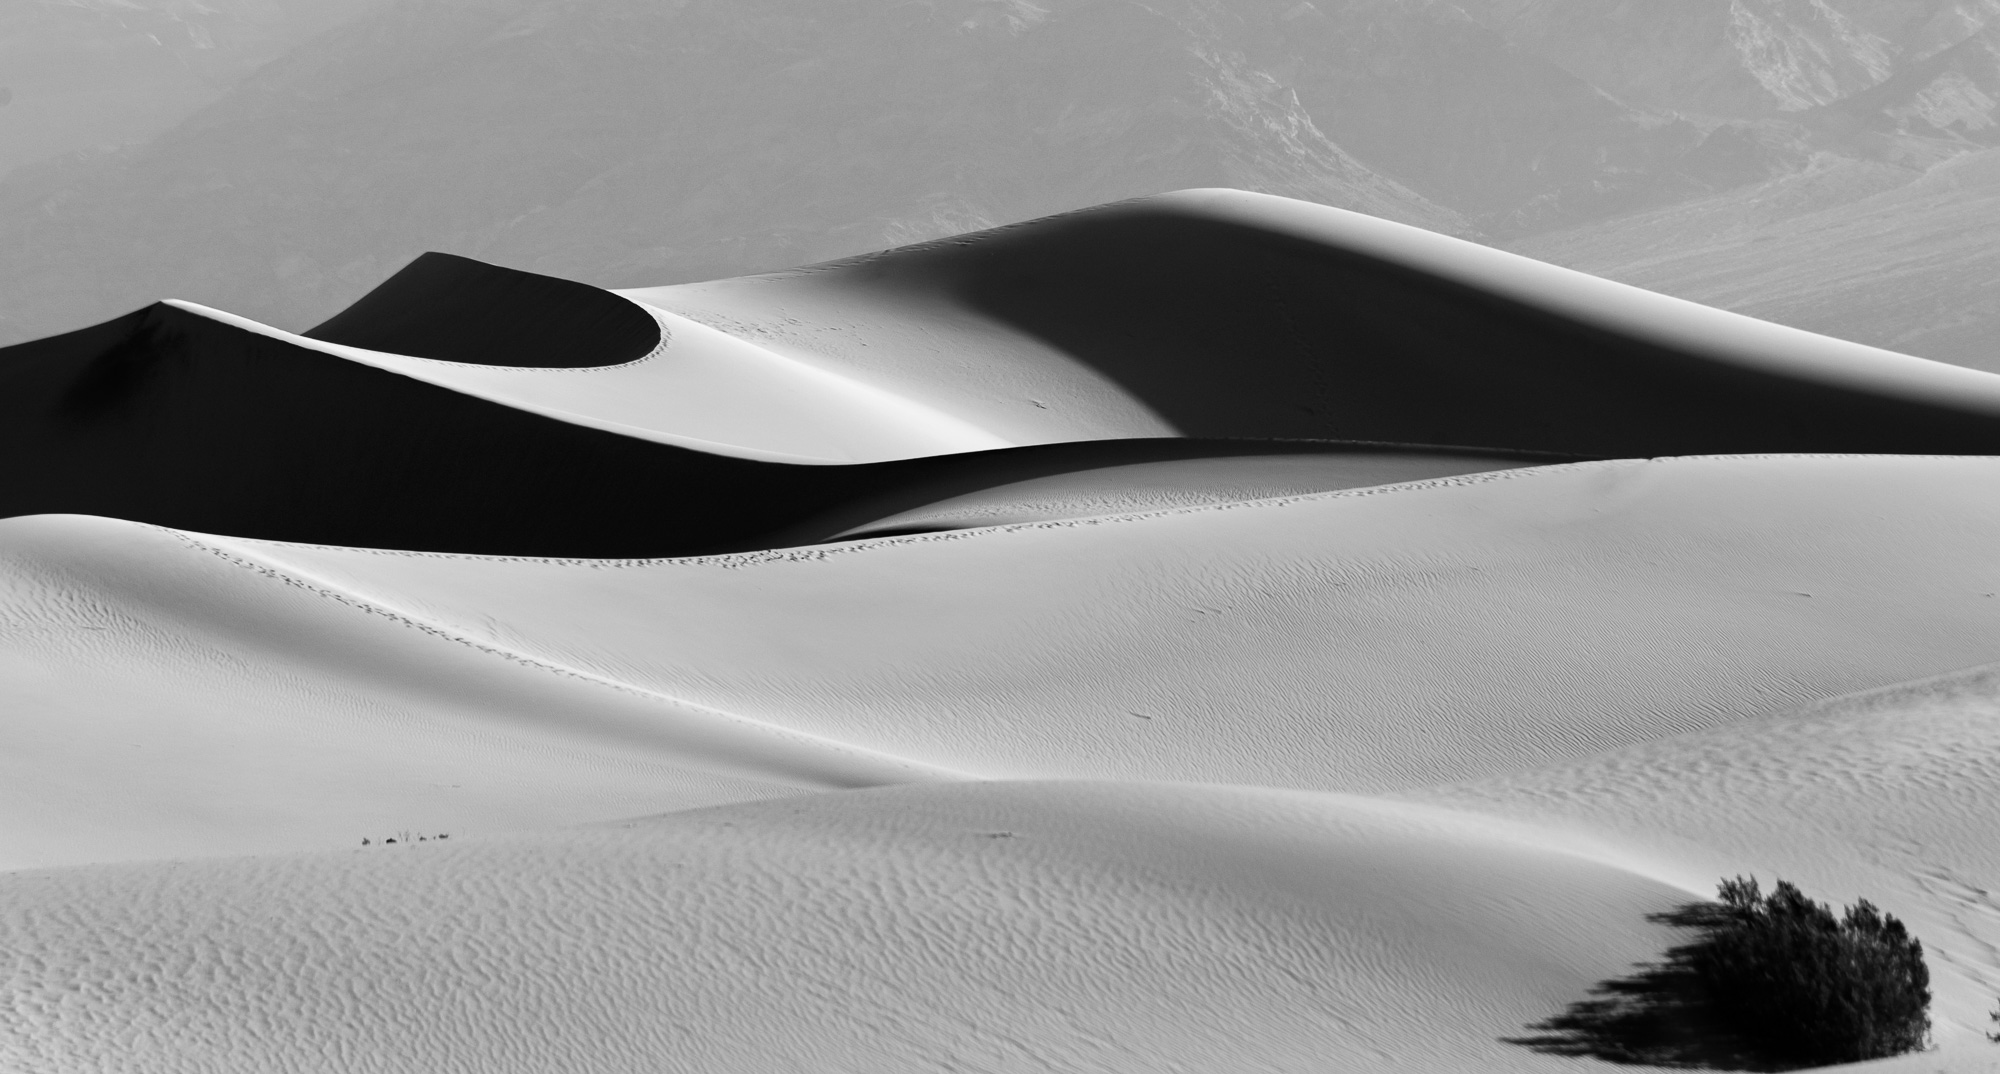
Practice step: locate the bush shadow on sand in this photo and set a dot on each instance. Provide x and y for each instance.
(1657, 1015)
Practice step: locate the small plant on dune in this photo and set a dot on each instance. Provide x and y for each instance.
(1810, 987)
(1768, 982)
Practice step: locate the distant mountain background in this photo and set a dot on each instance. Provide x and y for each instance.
(1833, 164)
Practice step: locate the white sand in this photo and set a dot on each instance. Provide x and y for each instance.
(164, 701)
(1361, 640)
(1264, 777)
(1544, 633)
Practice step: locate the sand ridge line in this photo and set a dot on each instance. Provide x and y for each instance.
(660, 348)
(811, 553)
(886, 763)
(398, 364)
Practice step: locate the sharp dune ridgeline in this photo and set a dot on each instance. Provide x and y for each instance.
(1207, 631)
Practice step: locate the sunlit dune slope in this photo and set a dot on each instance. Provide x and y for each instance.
(981, 927)
(1356, 640)
(1223, 313)
(1371, 640)
(162, 700)
(174, 417)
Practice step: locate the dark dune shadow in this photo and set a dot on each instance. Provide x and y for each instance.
(455, 309)
(169, 417)
(1654, 1016)
(1228, 328)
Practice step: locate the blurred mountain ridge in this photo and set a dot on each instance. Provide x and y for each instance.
(645, 141)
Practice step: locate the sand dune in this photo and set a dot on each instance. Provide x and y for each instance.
(138, 418)
(1358, 641)
(1202, 315)
(1203, 633)
(1227, 314)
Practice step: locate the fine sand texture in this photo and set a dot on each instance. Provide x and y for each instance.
(1207, 633)
(1888, 795)
(980, 927)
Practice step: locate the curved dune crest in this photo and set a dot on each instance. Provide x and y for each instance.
(177, 418)
(454, 309)
(976, 927)
(1141, 487)
(1227, 314)
(698, 388)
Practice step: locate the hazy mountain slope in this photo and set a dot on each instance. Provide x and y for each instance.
(1745, 59)
(1914, 268)
(1835, 104)
(91, 74)
(1430, 95)
(601, 139)
(623, 142)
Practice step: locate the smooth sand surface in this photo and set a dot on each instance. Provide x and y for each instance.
(1361, 640)
(1222, 313)
(164, 700)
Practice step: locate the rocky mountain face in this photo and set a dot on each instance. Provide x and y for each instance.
(1866, 200)
(646, 141)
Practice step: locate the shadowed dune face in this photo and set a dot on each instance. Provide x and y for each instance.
(1225, 328)
(455, 309)
(1223, 313)
(1255, 327)
(169, 417)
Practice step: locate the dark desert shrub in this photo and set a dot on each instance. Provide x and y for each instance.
(1807, 986)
